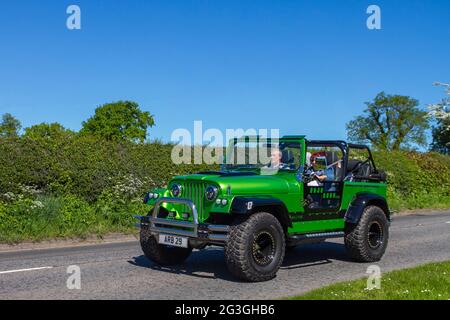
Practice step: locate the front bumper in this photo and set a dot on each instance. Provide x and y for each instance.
(195, 231)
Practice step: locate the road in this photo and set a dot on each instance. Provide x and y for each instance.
(120, 271)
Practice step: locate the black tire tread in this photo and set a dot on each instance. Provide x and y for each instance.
(355, 239)
(237, 248)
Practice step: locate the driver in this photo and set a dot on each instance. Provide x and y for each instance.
(275, 160)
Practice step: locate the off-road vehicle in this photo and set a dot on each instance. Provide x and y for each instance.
(322, 190)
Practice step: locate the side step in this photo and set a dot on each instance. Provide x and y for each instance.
(313, 237)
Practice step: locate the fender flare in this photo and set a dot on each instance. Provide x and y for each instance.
(246, 206)
(360, 202)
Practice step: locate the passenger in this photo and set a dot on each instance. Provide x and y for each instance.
(319, 176)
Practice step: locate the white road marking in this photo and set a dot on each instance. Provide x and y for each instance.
(23, 270)
(448, 222)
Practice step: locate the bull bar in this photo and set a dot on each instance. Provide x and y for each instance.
(212, 233)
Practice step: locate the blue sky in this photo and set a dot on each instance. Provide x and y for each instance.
(305, 67)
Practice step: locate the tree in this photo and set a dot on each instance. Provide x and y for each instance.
(390, 122)
(47, 131)
(10, 126)
(441, 131)
(121, 120)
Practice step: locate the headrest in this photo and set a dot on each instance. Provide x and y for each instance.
(331, 156)
(352, 164)
(287, 156)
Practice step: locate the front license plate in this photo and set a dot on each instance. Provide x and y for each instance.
(175, 241)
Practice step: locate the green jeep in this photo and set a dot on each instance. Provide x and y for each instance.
(310, 191)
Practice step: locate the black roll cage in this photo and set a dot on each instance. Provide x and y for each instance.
(344, 146)
(361, 147)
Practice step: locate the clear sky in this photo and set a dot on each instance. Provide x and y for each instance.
(305, 67)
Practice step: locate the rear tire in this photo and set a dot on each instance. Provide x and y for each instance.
(255, 248)
(161, 254)
(367, 240)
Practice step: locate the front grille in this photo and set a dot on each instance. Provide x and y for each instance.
(195, 191)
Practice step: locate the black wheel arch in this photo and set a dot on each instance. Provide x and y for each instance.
(246, 206)
(360, 202)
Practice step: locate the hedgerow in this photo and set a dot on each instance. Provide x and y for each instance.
(77, 185)
(416, 180)
(80, 185)
(85, 166)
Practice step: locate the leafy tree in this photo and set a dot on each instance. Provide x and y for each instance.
(441, 132)
(121, 120)
(441, 137)
(10, 126)
(47, 131)
(390, 122)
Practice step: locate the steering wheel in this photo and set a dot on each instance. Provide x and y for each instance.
(309, 176)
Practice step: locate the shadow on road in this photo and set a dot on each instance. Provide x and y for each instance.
(310, 255)
(210, 263)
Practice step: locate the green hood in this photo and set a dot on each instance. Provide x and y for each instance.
(243, 184)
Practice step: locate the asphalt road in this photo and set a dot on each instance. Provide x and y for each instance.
(120, 271)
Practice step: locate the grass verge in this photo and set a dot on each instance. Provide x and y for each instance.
(63, 217)
(426, 282)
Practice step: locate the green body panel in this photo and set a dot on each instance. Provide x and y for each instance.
(351, 189)
(317, 226)
(283, 186)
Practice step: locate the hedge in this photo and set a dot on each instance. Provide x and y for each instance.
(85, 166)
(80, 185)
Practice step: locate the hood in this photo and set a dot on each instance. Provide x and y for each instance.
(243, 183)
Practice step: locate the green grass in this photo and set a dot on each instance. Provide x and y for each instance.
(426, 282)
(425, 200)
(50, 217)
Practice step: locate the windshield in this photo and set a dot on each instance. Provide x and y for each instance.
(257, 155)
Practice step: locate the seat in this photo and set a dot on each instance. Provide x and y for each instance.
(352, 165)
(287, 156)
(365, 170)
(332, 158)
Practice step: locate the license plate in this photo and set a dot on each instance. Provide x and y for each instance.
(175, 241)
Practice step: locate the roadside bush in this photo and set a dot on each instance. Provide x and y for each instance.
(416, 180)
(26, 218)
(84, 166)
(76, 214)
(63, 216)
(80, 185)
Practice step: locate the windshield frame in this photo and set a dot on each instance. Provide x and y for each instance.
(276, 142)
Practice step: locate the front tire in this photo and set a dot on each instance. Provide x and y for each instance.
(367, 241)
(255, 248)
(161, 254)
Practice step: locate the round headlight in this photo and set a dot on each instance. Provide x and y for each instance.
(211, 193)
(175, 189)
